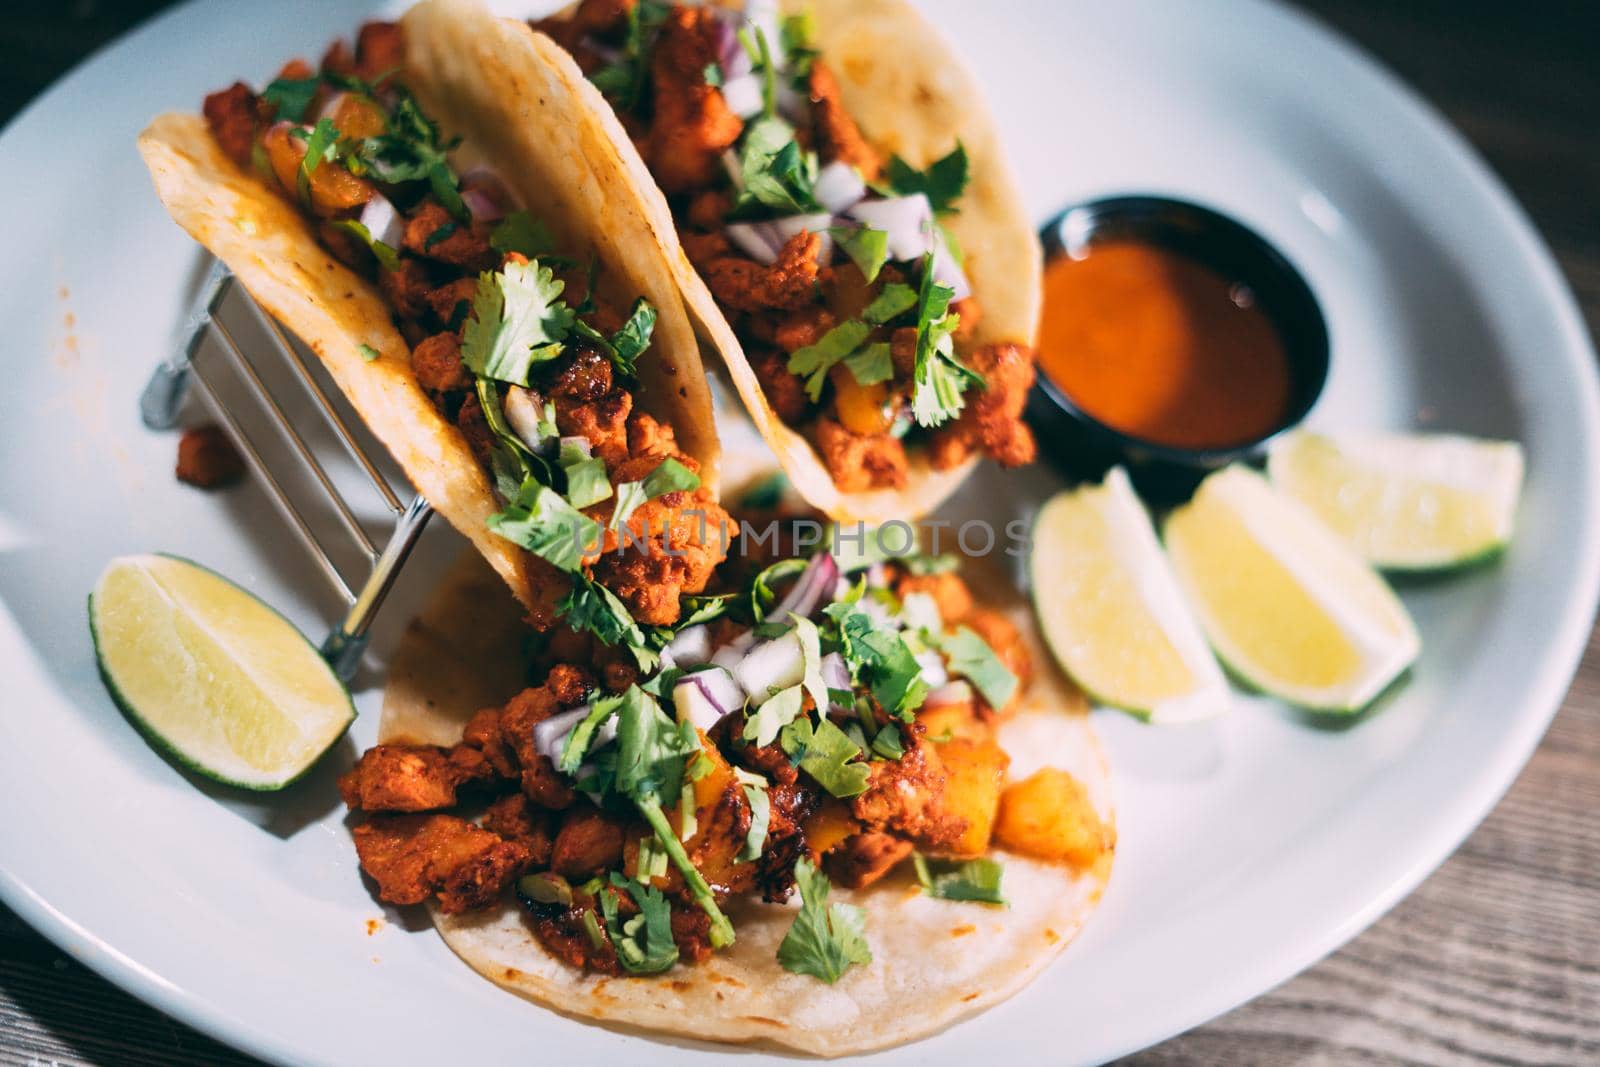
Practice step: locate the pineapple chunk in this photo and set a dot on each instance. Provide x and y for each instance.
(1048, 815)
(974, 772)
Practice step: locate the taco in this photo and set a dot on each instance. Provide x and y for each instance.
(701, 851)
(847, 232)
(491, 302)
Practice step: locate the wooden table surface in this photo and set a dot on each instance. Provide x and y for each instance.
(1496, 958)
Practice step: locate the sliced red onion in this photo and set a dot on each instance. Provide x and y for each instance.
(906, 220)
(839, 185)
(523, 415)
(835, 675)
(771, 666)
(933, 671)
(730, 163)
(550, 735)
(947, 272)
(803, 597)
(731, 56)
(330, 107)
(489, 181)
(383, 222)
(758, 240)
(956, 692)
(743, 95)
(690, 647)
(693, 705)
(481, 206)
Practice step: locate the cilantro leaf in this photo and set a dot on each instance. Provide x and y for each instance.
(938, 379)
(410, 150)
(872, 364)
(868, 248)
(582, 735)
(755, 791)
(520, 232)
(671, 476)
(762, 594)
(827, 754)
(388, 258)
(322, 146)
(629, 343)
(543, 522)
(591, 607)
(895, 300)
(880, 657)
(713, 75)
(811, 655)
(643, 943)
(517, 321)
(586, 476)
(823, 941)
(977, 879)
(763, 723)
(813, 361)
(368, 353)
(652, 749)
(943, 182)
(887, 742)
(973, 659)
(291, 96)
(624, 81)
(779, 177)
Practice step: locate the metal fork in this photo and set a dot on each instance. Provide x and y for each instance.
(213, 317)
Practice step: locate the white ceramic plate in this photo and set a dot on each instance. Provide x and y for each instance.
(1249, 847)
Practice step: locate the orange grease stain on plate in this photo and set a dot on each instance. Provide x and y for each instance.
(373, 926)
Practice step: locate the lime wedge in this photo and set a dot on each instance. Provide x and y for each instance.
(1288, 606)
(1111, 611)
(1407, 502)
(212, 675)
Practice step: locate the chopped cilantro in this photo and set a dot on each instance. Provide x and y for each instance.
(888, 743)
(779, 178)
(943, 182)
(586, 476)
(511, 460)
(624, 81)
(544, 523)
(440, 234)
(811, 656)
(322, 146)
(880, 657)
(762, 594)
(973, 659)
(592, 608)
(895, 300)
(823, 941)
(827, 754)
(520, 232)
(517, 321)
(938, 379)
(872, 364)
(755, 791)
(291, 97)
(868, 248)
(713, 75)
(582, 735)
(387, 257)
(815, 360)
(410, 150)
(777, 711)
(629, 343)
(795, 37)
(671, 476)
(643, 943)
(977, 879)
(368, 353)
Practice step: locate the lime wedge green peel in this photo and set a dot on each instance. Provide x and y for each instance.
(1111, 610)
(1407, 502)
(212, 675)
(1287, 604)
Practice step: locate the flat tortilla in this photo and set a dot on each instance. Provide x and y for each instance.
(911, 95)
(494, 83)
(934, 961)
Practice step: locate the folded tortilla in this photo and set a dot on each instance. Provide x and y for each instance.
(933, 961)
(504, 90)
(911, 95)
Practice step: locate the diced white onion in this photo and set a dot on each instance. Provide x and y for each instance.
(690, 647)
(743, 95)
(720, 687)
(905, 220)
(382, 221)
(762, 15)
(729, 655)
(933, 671)
(550, 735)
(731, 56)
(818, 224)
(693, 705)
(956, 692)
(580, 443)
(770, 666)
(523, 415)
(757, 240)
(839, 186)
